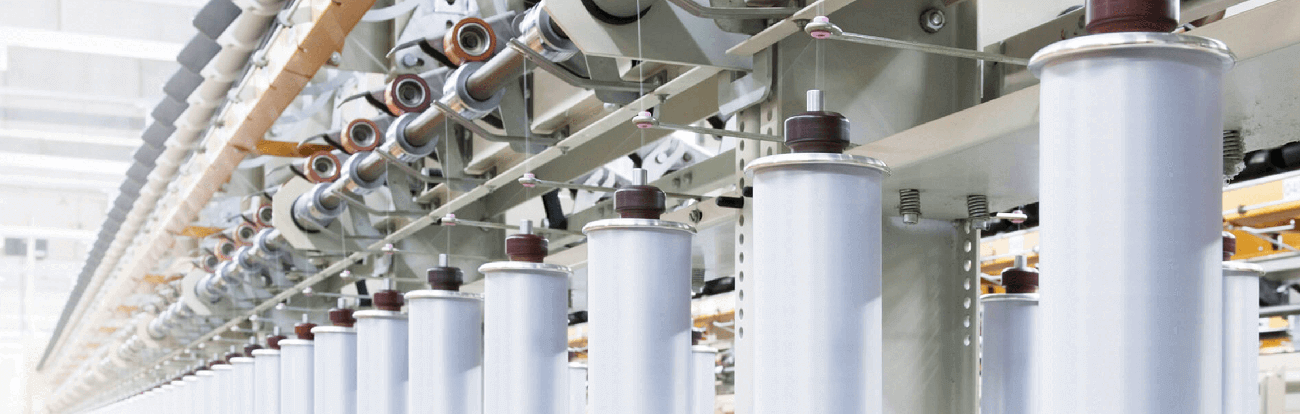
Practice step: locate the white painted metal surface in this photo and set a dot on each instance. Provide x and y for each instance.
(244, 389)
(446, 352)
(296, 375)
(266, 367)
(1131, 125)
(816, 292)
(1241, 337)
(638, 284)
(1010, 361)
(525, 355)
(223, 389)
(204, 397)
(704, 392)
(190, 395)
(381, 362)
(335, 370)
(577, 388)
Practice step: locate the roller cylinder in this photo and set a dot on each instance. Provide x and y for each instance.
(1010, 362)
(205, 396)
(704, 392)
(335, 370)
(817, 253)
(577, 388)
(446, 351)
(525, 357)
(222, 389)
(640, 315)
(1131, 125)
(266, 367)
(191, 401)
(296, 374)
(1240, 337)
(381, 362)
(244, 388)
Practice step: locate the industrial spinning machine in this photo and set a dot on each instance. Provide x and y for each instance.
(682, 207)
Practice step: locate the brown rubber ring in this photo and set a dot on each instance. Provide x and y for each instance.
(389, 300)
(1116, 16)
(403, 85)
(465, 41)
(640, 201)
(526, 248)
(274, 341)
(1020, 280)
(445, 278)
(322, 167)
(248, 349)
(303, 331)
(359, 126)
(342, 317)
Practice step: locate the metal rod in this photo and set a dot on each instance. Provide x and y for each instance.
(451, 220)
(822, 28)
(478, 130)
(1261, 234)
(575, 80)
(360, 205)
(530, 180)
(699, 10)
(646, 121)
(1279, 310)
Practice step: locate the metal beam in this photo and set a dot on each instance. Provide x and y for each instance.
(71, 138)
(66, 164)
(36, 181)
(88, 44)
(47, 233)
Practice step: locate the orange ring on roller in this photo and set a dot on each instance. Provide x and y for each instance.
(224, 249)
(263, 216)
(322, 167)
(361, 135)
(470, 40)
(244, 233)
(407, 93)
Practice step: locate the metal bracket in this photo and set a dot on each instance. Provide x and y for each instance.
(646, 121)
(478, 130)
(575, 80)
(699, 10)
(822, 29)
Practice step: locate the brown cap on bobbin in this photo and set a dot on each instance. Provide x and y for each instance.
(445, 277)
(1229, 246)
(526, 246)
(817, 130)
(273, 341)
(1115, 16)
(303, 330)
(388, 299)
(252, 346)
(342, 315)
(233, 353)
(640, 200)
(1020, 278)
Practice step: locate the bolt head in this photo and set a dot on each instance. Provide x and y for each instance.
(410, 60)
(336, 59)
(933, 20)
(911, 218)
